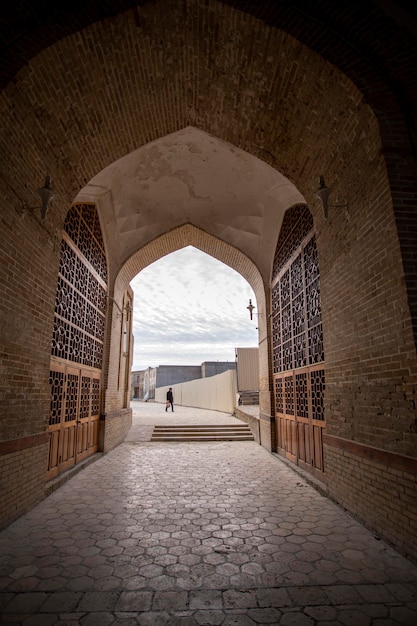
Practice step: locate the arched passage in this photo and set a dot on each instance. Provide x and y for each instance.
(174, 240)
(189, 188)
(113, 87)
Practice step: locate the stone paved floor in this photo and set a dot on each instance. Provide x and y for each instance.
(191, 534)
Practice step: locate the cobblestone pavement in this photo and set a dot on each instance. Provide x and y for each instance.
(191, 534)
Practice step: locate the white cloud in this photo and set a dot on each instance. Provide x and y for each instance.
(190, 308)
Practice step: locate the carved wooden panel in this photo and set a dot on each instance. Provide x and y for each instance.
(297, 342)
(77, 340)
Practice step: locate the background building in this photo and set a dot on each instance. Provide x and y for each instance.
(146, 381)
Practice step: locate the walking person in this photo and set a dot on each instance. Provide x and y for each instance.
(170, 400)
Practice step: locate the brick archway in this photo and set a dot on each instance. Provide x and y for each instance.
(176, 239)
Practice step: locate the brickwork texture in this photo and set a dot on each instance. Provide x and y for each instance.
(102, 92)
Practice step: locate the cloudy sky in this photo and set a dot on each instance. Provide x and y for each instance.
(190, 308)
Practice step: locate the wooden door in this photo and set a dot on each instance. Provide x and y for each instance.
(77, 341)
(88, 416)
(297, 343)
(299, 415)
(74, 416)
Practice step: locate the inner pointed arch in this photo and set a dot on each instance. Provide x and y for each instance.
(189, 235)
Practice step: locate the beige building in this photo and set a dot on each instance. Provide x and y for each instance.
(279, 138)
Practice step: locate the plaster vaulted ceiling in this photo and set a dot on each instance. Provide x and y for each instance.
(191, 177)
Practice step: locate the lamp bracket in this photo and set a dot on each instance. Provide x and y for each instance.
(323, 194)
(45, 193)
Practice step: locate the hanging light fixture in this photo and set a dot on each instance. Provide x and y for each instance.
(323, 194)
(45, 194)
(250, 307)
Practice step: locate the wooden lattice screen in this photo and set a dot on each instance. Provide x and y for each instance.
(298, 355)
(77, 341)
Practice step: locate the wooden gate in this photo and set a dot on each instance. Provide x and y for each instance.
(299, 417)
(74, 416)
(77, 341)
(297, 341)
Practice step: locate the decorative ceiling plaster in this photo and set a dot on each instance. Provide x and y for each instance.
(191, 177)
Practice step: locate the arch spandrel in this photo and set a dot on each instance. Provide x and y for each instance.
(191, 177)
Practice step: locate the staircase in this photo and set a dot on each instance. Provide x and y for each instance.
(192, 432)
(248, 397)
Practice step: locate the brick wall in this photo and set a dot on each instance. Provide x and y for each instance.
(28, 275)
(29, 264)
(114, 428)
(22, 481)
(368, 336)
(380, 491)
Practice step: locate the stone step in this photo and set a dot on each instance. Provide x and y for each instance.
(201, 432)
(201, 426)
(248, 397)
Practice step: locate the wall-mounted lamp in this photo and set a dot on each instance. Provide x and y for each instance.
(45, 193)
(323, 194)
(127, 308)
(250, 307)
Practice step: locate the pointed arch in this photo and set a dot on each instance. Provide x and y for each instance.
(175, 240)
(189, 235)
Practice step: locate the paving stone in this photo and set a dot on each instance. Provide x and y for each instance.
(221, 532)
(69, 619)
(24, 602)
(81, 583)
(41, 619)
(206, 599)
(238, 620)
(65, 601)
(342, 594)
(377, 610)
(134, 601)
(358, 616)
(154, 619)
(403, 592)
(183, 620)
(307, 595)
(265, 616)
(296, 618)
(236, 598)
(53, 584)
(97, 619)
(321, 613)
(209, 618)
(375, 593)
(123, 620)
(273, 598)
(98, 601)
(170, 600)
(404, 615)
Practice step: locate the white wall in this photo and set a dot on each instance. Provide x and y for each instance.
(217, 393)
(247, 365)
